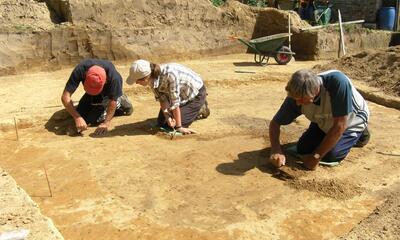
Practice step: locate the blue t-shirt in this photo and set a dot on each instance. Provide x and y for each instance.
(336, 91)
(113, 86)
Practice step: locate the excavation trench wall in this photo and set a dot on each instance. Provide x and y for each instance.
(60, 33)
(65, 46)
(49, 35)
(324, 44)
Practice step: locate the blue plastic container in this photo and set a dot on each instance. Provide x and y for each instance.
(387, 17)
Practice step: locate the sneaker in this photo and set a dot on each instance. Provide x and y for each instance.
(204, 111)
(364, 139)
(126, 105)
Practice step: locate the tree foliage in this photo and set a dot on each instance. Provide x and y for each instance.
(258, 3)
(217, 2)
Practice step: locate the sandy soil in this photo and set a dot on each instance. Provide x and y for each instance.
(20, 215)
(383, 223)
(377, 68)
(136, 184)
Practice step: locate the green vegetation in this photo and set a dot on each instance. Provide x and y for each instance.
(22, 27)
(258, 3)
(217, 2)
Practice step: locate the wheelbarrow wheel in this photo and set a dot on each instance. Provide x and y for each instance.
(283, 58)
(261, 59)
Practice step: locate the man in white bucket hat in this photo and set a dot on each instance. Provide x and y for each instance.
(180, 91)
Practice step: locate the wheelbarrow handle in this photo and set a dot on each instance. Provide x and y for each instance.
(232, 38)
(250, 45)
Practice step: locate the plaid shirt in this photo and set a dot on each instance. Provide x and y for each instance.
(176, 85)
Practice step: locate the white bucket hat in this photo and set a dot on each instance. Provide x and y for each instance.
(139, 69)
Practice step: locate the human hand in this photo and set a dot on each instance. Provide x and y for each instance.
(310, 162)
(185, 131)
(102, 129)
(80, 124)
(171, 122)
(277, 159)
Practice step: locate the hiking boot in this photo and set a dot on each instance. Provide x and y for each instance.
(364, 139)
(126, 107)
(204, 111)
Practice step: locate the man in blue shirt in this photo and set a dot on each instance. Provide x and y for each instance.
(103, 96)
(338, 115)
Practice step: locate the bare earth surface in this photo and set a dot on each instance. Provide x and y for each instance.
(377, 68)
(20, 215)
(137, 184)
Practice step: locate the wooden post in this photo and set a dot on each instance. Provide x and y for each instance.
(16, 128)
(290, 37)
(397, 23)
(341, 42)
(330, 25)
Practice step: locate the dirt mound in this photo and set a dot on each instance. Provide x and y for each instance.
(378, 68)
(332, 188)
(272, 21)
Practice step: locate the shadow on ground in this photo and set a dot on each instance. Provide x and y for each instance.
(246, 64)
(251, 64)
(61, 123)
(256, 159)
(145, 127)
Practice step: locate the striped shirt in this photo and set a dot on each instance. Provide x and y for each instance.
(176, 85)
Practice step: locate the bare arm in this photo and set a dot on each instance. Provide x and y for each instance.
(277, 157)
(274, 133)
(111, 107)
(329, 141)
(333, 135)
(69, 106)
(176, 112)
(103, 127)
(174, 118)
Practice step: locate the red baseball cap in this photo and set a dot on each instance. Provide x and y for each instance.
(95, 80)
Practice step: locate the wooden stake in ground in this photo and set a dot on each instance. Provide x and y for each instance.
(16, 128)
(397, 27)
(341, 42)
(331, 25)
(290, 47)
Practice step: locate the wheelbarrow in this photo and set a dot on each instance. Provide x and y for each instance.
(269, 46)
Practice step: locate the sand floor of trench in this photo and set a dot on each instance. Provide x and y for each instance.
(136, 184)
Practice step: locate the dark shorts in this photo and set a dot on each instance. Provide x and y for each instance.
(189, 110)
(313, 136)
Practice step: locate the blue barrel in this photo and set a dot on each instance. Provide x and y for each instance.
(387, 17)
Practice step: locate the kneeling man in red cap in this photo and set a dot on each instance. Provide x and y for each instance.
(103, 96)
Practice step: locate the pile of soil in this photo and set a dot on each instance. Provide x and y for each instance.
(377, 68)
(332, 188)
